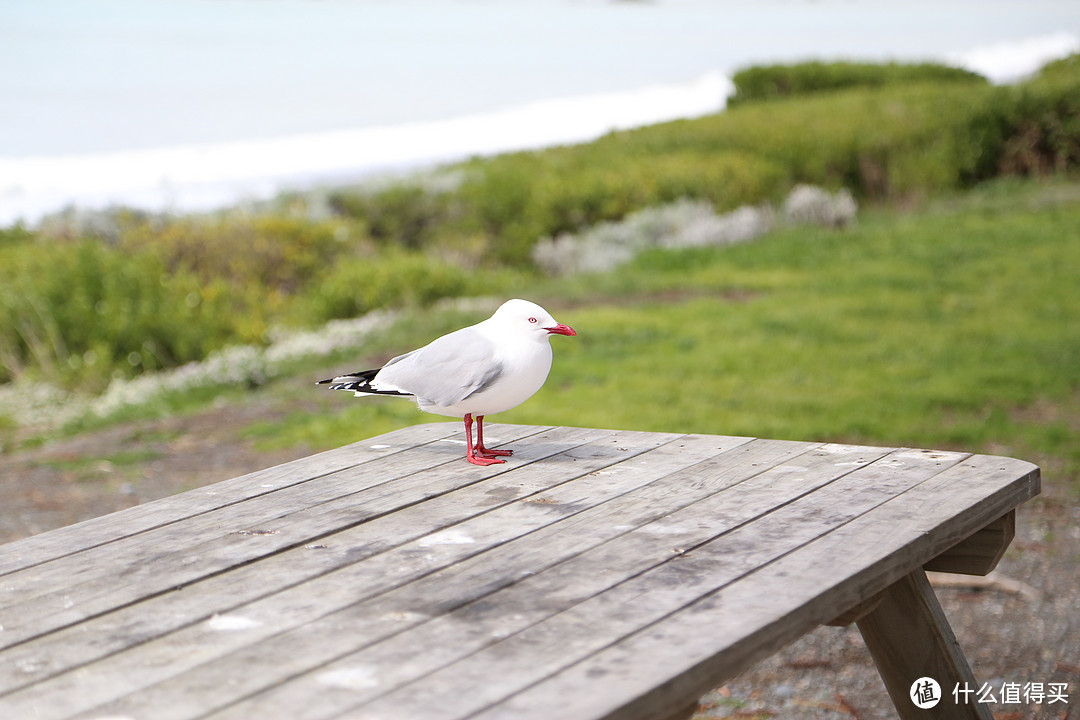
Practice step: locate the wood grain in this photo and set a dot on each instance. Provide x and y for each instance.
(909, 638)
(598, 574)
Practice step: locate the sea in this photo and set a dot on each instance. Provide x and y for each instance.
(191, 105)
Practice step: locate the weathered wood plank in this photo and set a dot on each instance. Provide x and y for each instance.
(629, 571)
(302, 560)
(390, 566)
(909, 637)
(464, 581)
(52, 595)
(64, 541)
(604, 619)
(206, 512)
(268, 503)
(696, 648)
(221, 593)
(547, 592)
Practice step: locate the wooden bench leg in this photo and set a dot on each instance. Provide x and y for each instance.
(909, 638)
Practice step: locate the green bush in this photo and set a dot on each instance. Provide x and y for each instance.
(402, 214)
(887, 132)
(882, 143)
(15, 235)
(517, 199)
(79, 312)
(359, 285)
(1040, 125)
(277, 254)
(1067, 68)
(767, 82)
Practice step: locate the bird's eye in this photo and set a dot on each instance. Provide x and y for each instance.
(532, 320)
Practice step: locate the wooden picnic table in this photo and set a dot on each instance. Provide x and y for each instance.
(597, 574)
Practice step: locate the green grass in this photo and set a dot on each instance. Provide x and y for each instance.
(932, 329)
(953, 327)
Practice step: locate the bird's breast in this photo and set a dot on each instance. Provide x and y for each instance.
(524, 372)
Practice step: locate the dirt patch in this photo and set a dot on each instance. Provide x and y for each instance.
(94, 473)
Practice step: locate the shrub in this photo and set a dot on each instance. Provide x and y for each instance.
(519, 198)
(15, 235)
(82, 311)
(359, 285)
(882, 143)
(1067, 68)
(767, 82)
(276, 254)
(403, 214)
(1041, 125)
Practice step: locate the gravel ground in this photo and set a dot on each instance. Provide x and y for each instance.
(1023, 627)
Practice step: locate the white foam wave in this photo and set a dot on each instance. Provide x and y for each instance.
(200, 177)
(1008, 62)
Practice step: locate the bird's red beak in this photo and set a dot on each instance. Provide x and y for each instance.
(561, 330)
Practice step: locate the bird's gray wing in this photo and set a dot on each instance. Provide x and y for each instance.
(446, 371)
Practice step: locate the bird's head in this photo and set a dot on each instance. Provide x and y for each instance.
(529, 318)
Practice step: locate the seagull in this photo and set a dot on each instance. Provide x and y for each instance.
(477, 371)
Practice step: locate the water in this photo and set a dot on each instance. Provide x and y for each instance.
(191, 104)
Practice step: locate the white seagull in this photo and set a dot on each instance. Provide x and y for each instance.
(480, 370)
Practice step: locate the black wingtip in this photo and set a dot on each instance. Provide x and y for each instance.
(361, 377)
(360, 382)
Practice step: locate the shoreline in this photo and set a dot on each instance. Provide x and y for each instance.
(206, 177)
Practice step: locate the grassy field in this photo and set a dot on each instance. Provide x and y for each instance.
(950, 327)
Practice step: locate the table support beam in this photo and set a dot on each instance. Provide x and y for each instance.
(979, 553)
(909, 638)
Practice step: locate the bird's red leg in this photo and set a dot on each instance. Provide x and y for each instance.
(475, 459)
(480, 449)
